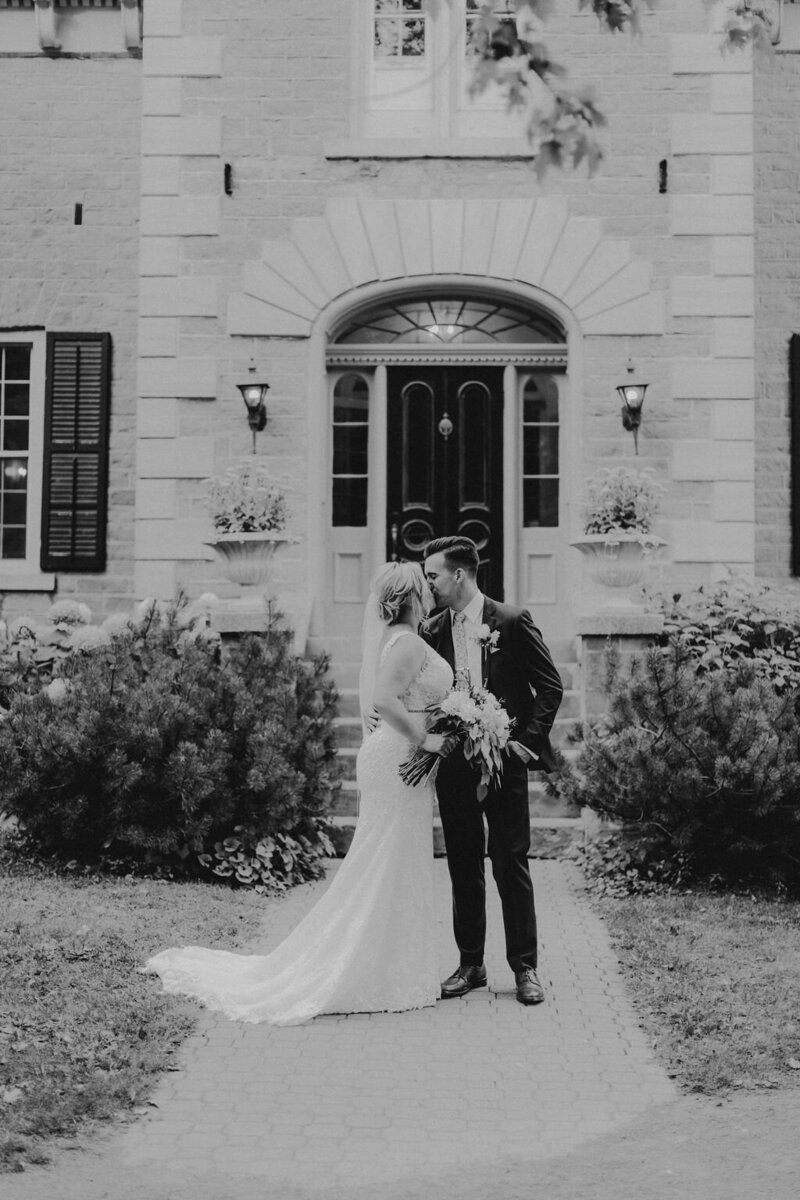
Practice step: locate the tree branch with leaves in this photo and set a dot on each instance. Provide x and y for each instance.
(563, 120)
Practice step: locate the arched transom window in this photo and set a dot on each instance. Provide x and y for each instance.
(450, 320)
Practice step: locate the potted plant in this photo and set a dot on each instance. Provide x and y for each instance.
(249, 514)
(622, 503)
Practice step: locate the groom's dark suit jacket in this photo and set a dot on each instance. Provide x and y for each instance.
(519, 671)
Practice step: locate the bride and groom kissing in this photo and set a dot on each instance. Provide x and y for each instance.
(369, 944)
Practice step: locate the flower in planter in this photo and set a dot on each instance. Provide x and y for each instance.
(622, 499)
(244, 500)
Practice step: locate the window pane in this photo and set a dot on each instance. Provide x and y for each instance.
(350, 450)
(15, 435)
(15, 474)
(351, 399)
(13, 543)
(540, 502)
(16, 399)
(17, 362)
(15, 508)
(452, 319)
(349, 501)
(401, 34)
(540, 400)
(540, 450)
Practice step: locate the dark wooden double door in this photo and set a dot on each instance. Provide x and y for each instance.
(445, 463)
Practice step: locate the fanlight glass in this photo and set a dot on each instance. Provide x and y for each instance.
(450, 320)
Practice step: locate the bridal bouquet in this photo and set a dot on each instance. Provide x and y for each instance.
(474, 718)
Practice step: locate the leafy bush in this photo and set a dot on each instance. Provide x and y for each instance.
(152, 747)
(245, 500)
(734, 621)
(621, 499)
(703, 769)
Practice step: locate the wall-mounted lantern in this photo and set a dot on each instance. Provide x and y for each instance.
(255, 399)
(631, 393)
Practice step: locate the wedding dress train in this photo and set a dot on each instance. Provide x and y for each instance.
(369, 943)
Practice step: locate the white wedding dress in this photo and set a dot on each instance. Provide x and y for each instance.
(369, 944)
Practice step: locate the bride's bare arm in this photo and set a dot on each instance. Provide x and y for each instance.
(401, 666)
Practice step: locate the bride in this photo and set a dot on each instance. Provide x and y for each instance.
(368, 945)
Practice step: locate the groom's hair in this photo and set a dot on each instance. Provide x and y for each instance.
(458, 552)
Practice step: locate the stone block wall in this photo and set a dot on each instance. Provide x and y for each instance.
(777, 205)
(70, 135)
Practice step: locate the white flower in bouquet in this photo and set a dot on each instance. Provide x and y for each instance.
(475, 719)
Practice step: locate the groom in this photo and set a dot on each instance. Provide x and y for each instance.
(498, 647)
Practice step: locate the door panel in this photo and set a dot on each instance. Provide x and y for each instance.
(445, 463)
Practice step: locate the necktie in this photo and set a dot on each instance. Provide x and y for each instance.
(460, 652)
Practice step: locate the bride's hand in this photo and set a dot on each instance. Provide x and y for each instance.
(437, 743)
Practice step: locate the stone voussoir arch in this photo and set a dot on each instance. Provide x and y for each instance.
(361, 241)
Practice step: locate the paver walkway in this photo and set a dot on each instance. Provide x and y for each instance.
(371, 1100)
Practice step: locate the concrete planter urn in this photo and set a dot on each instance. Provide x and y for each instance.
(247, 557)
(618, 559)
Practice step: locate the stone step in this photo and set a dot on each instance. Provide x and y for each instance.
(348, 734)
(347, 647)
(551, 837)
(345, 675)
(541, 805)
(348, 723)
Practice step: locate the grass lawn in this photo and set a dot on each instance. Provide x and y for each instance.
(716, 980)
(82, 1034)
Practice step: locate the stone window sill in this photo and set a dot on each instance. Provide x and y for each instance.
(27, 581)
(428, 148)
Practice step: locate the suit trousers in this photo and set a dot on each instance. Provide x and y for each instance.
(506, 812)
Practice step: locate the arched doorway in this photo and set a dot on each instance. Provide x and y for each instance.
(445, 418)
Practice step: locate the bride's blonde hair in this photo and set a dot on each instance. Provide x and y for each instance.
(397, 587)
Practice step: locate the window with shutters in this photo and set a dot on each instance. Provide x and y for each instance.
(76, 452)
(54, 419)
(22, 373)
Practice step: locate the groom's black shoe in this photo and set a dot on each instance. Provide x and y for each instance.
(529, 990)
(463, 980)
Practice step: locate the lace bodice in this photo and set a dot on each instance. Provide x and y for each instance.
(431, 683)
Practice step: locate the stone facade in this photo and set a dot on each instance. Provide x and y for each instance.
(689, 274)
(71, 136)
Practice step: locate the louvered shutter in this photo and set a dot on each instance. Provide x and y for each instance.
(76, 452)
(794, 412)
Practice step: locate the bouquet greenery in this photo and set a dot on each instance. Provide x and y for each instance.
(473, 718)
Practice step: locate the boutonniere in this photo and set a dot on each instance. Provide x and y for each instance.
(488, 638)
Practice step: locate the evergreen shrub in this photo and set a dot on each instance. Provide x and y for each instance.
(149, 748)
(701, 767)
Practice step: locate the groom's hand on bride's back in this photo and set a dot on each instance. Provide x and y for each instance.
(372, 718)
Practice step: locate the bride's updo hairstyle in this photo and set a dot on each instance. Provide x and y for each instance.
(401, 590)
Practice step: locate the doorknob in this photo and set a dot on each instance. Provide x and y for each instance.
(445, 426)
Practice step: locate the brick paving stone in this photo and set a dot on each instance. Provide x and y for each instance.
(371, 1099)
(353, 1096)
